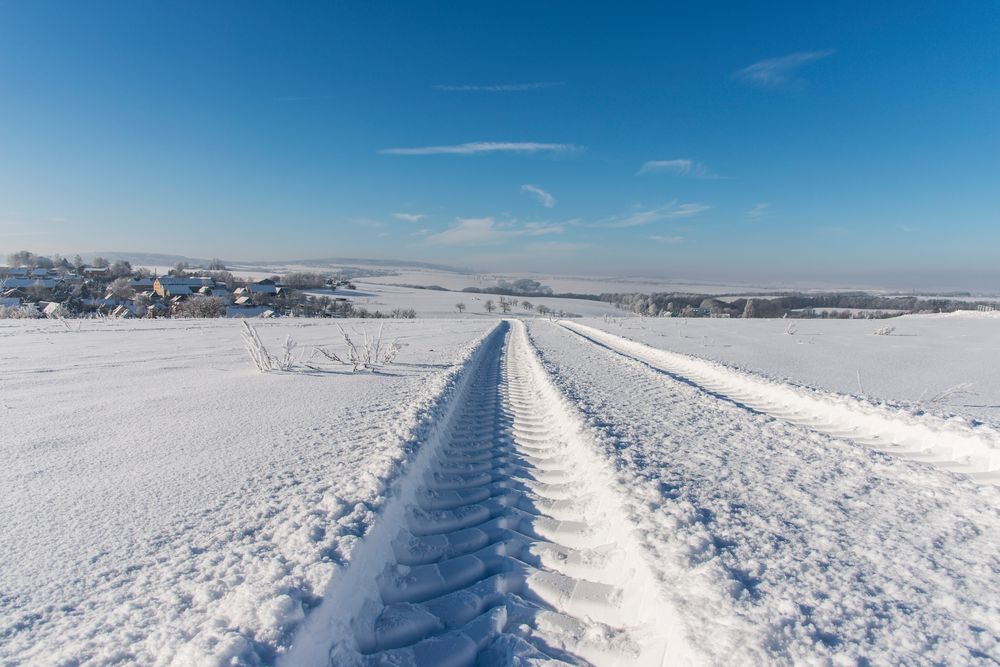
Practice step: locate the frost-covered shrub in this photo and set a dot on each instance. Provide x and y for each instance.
(17, 313)
(369, 354)
(262, 357)
(959, 391)
(884, 331)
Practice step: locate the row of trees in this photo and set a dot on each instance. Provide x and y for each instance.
(62, 265)
(506, 305)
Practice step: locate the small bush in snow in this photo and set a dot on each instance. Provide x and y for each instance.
(961, 390)
(369, 354)
(884, 331)
(261, 358)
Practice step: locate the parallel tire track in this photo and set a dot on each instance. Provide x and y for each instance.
(927, 439)
(510, 552)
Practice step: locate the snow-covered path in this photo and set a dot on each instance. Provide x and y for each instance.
(948, 444)
(510, 546)
(779, 544)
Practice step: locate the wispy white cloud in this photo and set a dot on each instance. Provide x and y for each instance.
(476, 147)
(641, 216)
(777, 72)
(487, 231)
(759, 210)
(905, 228)
(409, 217)
(543, 197)
(501, 87)
(666, 239)
(677, 167)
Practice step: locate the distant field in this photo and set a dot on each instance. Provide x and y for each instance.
(924, 356)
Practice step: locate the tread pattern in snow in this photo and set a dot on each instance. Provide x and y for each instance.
(505, 556)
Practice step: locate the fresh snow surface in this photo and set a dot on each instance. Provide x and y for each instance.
(164, 503)
(924, 357)
(779, 545)
(512, 493)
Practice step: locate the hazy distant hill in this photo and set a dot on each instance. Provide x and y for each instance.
(159, 259)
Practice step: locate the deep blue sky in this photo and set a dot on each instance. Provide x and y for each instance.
(824, 141)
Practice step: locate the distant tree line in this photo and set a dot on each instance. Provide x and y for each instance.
(792, 304)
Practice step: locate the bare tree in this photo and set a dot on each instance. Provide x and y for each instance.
(504, 305)
(21, 258)
(527, 305)
(460, 307)
(201, 306)
(489, 305)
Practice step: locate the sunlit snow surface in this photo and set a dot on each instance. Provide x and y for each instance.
(162, 502)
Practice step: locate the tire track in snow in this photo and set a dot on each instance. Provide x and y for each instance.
(924, 438)
(510, 548)
(780, 545)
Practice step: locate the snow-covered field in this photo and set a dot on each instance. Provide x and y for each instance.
(435, 303)
(510, 492)
(162, 502)
(923, 358)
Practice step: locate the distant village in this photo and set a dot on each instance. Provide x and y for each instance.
(36, 286)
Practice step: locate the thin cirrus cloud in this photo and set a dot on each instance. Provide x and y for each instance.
(409, 217)
(759, 211)
(543, 197)
(640, 216)
(666, 239)
(500, 87)
(677, 167)
(778, 72)
(478, 147)
(487, 231)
